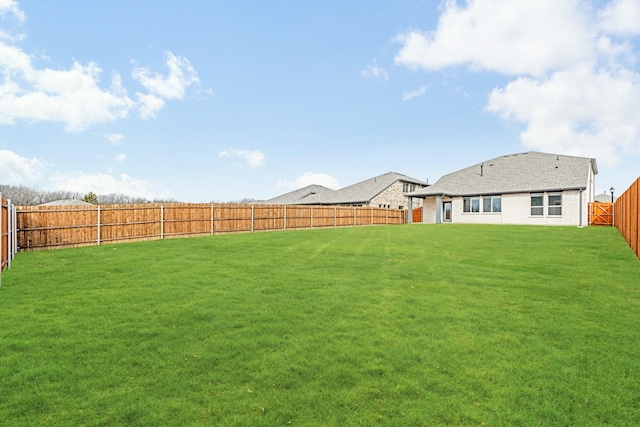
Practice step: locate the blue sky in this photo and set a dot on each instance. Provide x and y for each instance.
(224, 100)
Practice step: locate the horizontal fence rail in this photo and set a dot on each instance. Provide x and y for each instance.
(626, 217)
(46, 227)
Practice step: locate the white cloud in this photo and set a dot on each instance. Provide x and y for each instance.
(374, 72)
(100, 183)
(310, 178)
(115, 138)
(172, 86)
(621, 17)
(511, 37)
(121, 157)
(252, 158)
(416, 93)
(74, 96)
(12, 7)
(574, 88)
(578, 112)
(149, 105)
(15, 169)
(71, 96)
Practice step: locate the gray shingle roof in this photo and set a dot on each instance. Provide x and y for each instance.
(311, 194)
(67, 202)
(515, 173)
(604, 197)
(364, 191)
(361, 192)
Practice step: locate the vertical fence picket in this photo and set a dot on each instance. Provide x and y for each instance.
(627, 216)
(98, 233)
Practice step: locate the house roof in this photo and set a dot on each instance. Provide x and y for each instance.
(66, 202)
(311, 194)
(604, 197)
(515, 173)
(366, 190)
(361, 192)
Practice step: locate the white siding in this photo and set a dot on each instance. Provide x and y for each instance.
(429, 211)
(516, 209)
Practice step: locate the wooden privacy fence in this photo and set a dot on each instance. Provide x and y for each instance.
(44, 227)
(600, 213)
(627, 219)
(8, 242)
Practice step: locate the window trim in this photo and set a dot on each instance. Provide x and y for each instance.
(539, 207)
(470, 204)
(554, 206)
(491, 199)
(545, 208)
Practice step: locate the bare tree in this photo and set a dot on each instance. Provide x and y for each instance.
(21, 195)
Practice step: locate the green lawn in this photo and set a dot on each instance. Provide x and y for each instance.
(399, 325)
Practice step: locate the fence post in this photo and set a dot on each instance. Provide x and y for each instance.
(212, 219)
(99, 221)
(285, 217)
(335, 217)
(311, 223)
(252, 217)
(1, 232)
(15, 231)
(161, 221)
(9, 234)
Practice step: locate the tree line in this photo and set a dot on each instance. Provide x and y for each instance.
(21, 195)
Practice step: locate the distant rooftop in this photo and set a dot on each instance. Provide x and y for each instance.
(361, 192)
(67, 202)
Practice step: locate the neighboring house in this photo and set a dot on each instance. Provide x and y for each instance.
(603, 198)
(311, 194)
(386, 191)
(67, 202)
(523, 188)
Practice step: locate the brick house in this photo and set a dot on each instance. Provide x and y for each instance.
(386, 191)
(524, 188)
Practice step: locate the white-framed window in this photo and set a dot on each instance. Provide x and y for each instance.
(408, 187)
(471, 204)
(537, 204)
(555, 204)
(492, 204)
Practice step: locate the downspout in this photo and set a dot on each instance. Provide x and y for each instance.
(580, 221)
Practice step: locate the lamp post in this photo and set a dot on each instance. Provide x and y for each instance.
(612, 190)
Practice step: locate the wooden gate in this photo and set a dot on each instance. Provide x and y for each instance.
(416, 215)
(600, 213)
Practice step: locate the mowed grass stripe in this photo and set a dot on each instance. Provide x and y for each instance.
(400, 325)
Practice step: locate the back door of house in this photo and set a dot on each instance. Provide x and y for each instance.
(446, 208)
